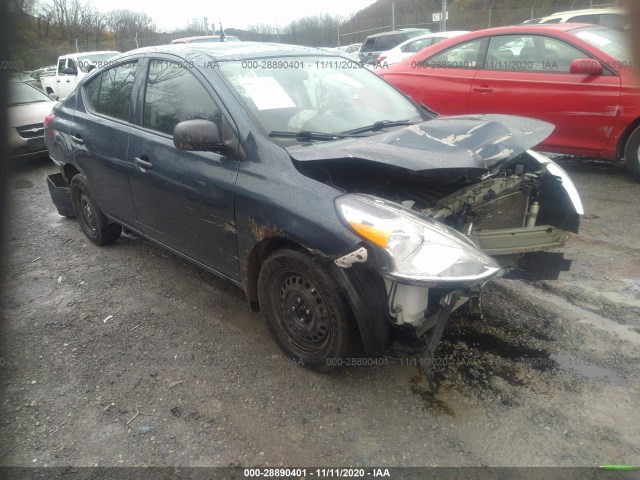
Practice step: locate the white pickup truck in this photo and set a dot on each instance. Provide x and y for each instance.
(71, 68)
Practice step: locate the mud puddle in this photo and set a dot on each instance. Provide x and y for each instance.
(587, 368)
(587, 317)
(510, 355)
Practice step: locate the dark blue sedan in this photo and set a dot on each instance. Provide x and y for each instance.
(340, 206)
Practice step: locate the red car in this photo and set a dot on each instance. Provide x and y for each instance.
(578, 77)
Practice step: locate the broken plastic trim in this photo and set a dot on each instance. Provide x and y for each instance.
(357, 256)
(554, 169)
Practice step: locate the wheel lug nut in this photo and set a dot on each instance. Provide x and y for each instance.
(299, 300)
(293, 309)
(307, 312)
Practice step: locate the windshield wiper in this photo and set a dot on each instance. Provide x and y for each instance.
(379, 126)
(307, 135)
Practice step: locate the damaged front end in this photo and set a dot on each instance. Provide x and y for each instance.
(446, 205)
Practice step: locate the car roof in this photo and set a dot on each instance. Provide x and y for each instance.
(230, 51)
(89, 53)
(447, 34)
(586, 11)
(200, 37)
(397, 32)
(537, 27)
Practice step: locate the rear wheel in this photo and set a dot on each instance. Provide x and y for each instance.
(304, 310)
(632, 153)
(92, 221)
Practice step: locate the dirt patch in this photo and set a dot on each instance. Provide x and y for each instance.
(130, 356)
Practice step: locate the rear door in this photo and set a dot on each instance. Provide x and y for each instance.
(529, 75)
(185, 200)
(98, 138)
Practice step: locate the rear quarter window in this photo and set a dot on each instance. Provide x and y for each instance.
(369, 45)
(389, 41)
(110, 93)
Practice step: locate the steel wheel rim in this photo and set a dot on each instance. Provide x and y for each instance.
(87, 211)
(304, 318)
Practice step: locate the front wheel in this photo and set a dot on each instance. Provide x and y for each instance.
(632, 153)
(305, 311)
(92, 221)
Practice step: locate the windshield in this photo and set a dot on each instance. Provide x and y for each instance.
(97, 60)
(326, 95)
(611, 42)
(20, 93)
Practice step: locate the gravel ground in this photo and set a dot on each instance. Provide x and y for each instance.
(129, 356)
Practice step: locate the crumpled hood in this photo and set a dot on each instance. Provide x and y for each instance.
(458, 142)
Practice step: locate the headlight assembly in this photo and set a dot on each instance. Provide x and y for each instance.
(420, 250)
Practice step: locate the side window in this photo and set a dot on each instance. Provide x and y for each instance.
(174, 95)
(387, 42)
(416, 45)
(558, 56)
(91, 91)
(530, 53)
(62, 64)
(369, 45)
(460, 56)
(512, 52)
(585, 19)
(110, 93)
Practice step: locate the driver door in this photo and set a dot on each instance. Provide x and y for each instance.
(184, 200)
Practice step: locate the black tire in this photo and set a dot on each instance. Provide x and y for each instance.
(92, 221)
(632, 153)
(305, 311)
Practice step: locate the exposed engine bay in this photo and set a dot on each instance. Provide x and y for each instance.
(523, 200)
(513, 204)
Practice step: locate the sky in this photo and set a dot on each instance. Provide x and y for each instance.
(232, 13)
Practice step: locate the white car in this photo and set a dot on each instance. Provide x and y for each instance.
(351, 50)
(413, 45)
(615, 18)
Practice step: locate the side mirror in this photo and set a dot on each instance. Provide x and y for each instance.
(197, 136)
(54, 96)
(70, 71)
(586, 66)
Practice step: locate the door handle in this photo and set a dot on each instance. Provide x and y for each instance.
(483, 89)
(77, 140)
(58, 81)
(141, 162)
